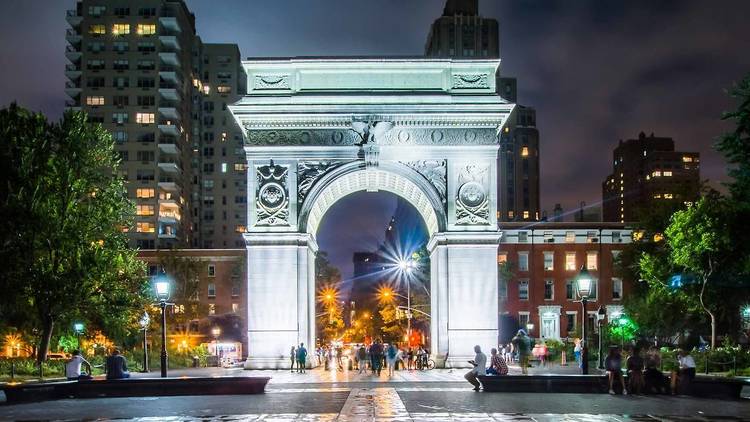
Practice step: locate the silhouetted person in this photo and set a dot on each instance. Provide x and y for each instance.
(117, 366)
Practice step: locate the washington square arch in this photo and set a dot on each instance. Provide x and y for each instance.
(318, 129)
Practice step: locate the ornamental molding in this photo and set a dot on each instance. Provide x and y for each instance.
(309, 172)
(470, 80)
(397, 136)
(487, 120)
(271, 81)
(472, 197)
(436, 172)
(272, 195)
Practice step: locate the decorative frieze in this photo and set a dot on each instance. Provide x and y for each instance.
(435, 171)
(470, 80)
(264, 82)
(397, 136)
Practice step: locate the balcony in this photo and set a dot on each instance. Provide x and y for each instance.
(169, 165)
(169, 22)
(72, 71)
(72, 36)
(73, 105)
(73, 89)
(169, 214)
(168, 184)
(169, 111)
(169, 58)
(169, 128)
(73, 53)
(170, 41)
(169, 92)
(170, 74)
(73, 18)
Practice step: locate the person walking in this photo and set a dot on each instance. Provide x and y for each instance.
(362, 358)
(376, 357)
(522, 344)
(301, 358)
(391, 356)
(682, 378)
(497, 364)
(480, 364)
(613, 365)
(292, 357)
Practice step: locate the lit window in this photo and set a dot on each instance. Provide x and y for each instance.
(212, 309)
(120, 29)
(549, 261)
(502, 257)
(96, 100)
(144, 118)
(668, 196)
(97, 29)
(144, 193)
(239, 167)
(524, 151)
(146, 29)
(211, 270)
(523, 261)
(223, 167)
(211, 290)
(144, 210)
(206, 89)
(570, 261)
(570, 237)
(657, 196)
(687, 159)
(525, 215)
(144, 227)
(223, 89)
(667, 173)
(511, 214)
(235, 308)
(656, 173)
(616, 288)
(240, 229)
(523, 290)
(591, 260)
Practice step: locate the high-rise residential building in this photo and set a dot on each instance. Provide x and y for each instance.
(462, 33)
(647, 171)
(140, 70)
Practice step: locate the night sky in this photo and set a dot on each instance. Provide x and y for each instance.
(596, 71)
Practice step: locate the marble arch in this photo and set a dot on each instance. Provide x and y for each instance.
(319, 129)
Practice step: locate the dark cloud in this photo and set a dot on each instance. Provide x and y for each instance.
(597, 71)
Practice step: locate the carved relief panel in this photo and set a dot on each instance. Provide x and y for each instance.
(272, 195)
(436, 172)
(472, 206)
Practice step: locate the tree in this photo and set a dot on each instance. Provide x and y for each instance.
(64, 251)
(735, 145)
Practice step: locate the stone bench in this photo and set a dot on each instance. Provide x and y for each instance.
(135, 387)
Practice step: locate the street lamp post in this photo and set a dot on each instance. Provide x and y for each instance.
(600, 320)
(78, 328)
(583, 285)
(408, 266)
(162, 293)
(145, 320)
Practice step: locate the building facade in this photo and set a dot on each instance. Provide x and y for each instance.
(140, 70)
(648, 172)
(462, 33)
(538, 266)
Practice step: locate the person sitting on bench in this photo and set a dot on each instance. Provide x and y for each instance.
(73, 367)
(117, 366)
(497, 364)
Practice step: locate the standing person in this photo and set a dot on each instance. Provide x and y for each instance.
(301, 358)
(686, 372)
(73, 367)
(497, 364)
(509, 352)
(410, 358)
(292, 357)
(635, 371)
(522, 344)
(577, 351)
(117, 366)
(362, 358)
(543, 352)
(391, 356)
(613, 365)
(376, 357)
(480, 363)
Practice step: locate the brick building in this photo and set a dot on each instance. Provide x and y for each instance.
(538, 265)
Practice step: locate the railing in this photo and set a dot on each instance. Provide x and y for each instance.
(71, 84)
(164, 85)
(71, 32)
(72, 67)
(72, 12)
(72, 49)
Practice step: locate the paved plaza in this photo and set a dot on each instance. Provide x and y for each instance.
(437, 395)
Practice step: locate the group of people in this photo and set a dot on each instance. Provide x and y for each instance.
(363, 358)
(644, 373)
(498, 366)
(116, 367)
(298, 356)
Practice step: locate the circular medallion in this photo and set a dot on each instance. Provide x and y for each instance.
(272, 137)
(470, 136)
(403, 136)
(471, 194)
(272, 196)
(436, 136)
(305, 137)
(337, 137)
